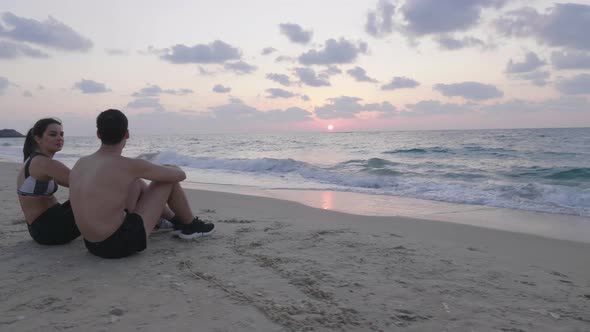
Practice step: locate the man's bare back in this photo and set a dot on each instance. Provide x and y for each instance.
(100, 187)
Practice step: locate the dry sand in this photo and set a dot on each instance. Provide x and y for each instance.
(277, 265)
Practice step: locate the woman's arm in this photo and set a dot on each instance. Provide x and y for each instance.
(56, 170)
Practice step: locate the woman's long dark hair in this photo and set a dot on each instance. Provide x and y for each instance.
(37, 130)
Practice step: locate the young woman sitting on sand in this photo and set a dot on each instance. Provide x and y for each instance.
(48, 221)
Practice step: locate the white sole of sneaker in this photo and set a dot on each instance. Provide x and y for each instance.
(194, 235)
(157, 231)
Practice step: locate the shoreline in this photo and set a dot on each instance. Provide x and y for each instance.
(550, 225)
(278, 265)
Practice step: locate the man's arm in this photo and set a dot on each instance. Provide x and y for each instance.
(153, 172)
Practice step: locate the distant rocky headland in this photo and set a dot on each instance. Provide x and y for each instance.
(10, 133)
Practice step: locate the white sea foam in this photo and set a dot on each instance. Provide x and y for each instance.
(536, 197)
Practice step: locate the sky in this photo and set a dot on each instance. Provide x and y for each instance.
(182, 67)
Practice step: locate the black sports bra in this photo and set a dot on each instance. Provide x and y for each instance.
(34, 187)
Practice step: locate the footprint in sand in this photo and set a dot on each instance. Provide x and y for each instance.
(117, 312)
(236, 221)
(115, 315)
(407, 316)
(555, 273)
(474, 249)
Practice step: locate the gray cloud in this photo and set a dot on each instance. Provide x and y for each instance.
(240, 67)
(528, 69)
(221, 89)
(308, 77)
(511, 106)
(151, 50)
(518, 23)
(348, 107)
(305, 98)
(205, 72)
(115, 51)
(564, 25)
(295, 33)
(50, 33)
(234, 100)
(570, 60)
(329, 72)
(147, 103)
(237, 110)
(469, 90)
(538, 78)
(334, 52)
(279, 93)
(268, 50)
(380, 21)
(179, 92)
(215, 52)
(279, 78)
(187, 121)
(360, 75)
(284, 58)
(90, 86)
(154, 90)
(400, 83)
(423, 17)
(10, 50)
(530, 63)
(27, 94)
(450, 43)
(560, 105)
(579, 84)
(291, 114)
(433, 107)
(565, 104)
(4, 84)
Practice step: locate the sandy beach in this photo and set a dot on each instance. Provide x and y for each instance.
(276, 265)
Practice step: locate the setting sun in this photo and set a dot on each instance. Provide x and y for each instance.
(330, 127)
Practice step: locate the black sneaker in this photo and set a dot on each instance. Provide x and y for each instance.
(195, 229)
(176, 225)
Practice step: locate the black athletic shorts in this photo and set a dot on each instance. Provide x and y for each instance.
(127, 240)
(55, 226)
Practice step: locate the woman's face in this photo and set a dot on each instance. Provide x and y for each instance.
(52, 139)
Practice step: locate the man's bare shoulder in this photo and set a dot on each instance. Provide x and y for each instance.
(132, 161)
(136, 166)
(101, 160)
(80, 162)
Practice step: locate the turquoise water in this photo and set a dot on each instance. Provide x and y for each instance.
(544, 170)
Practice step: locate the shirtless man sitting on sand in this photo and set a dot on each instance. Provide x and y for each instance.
(114, 210)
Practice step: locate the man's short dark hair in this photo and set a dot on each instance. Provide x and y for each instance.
(111, 126)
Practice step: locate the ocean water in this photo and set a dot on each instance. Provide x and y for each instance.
(546, 170)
